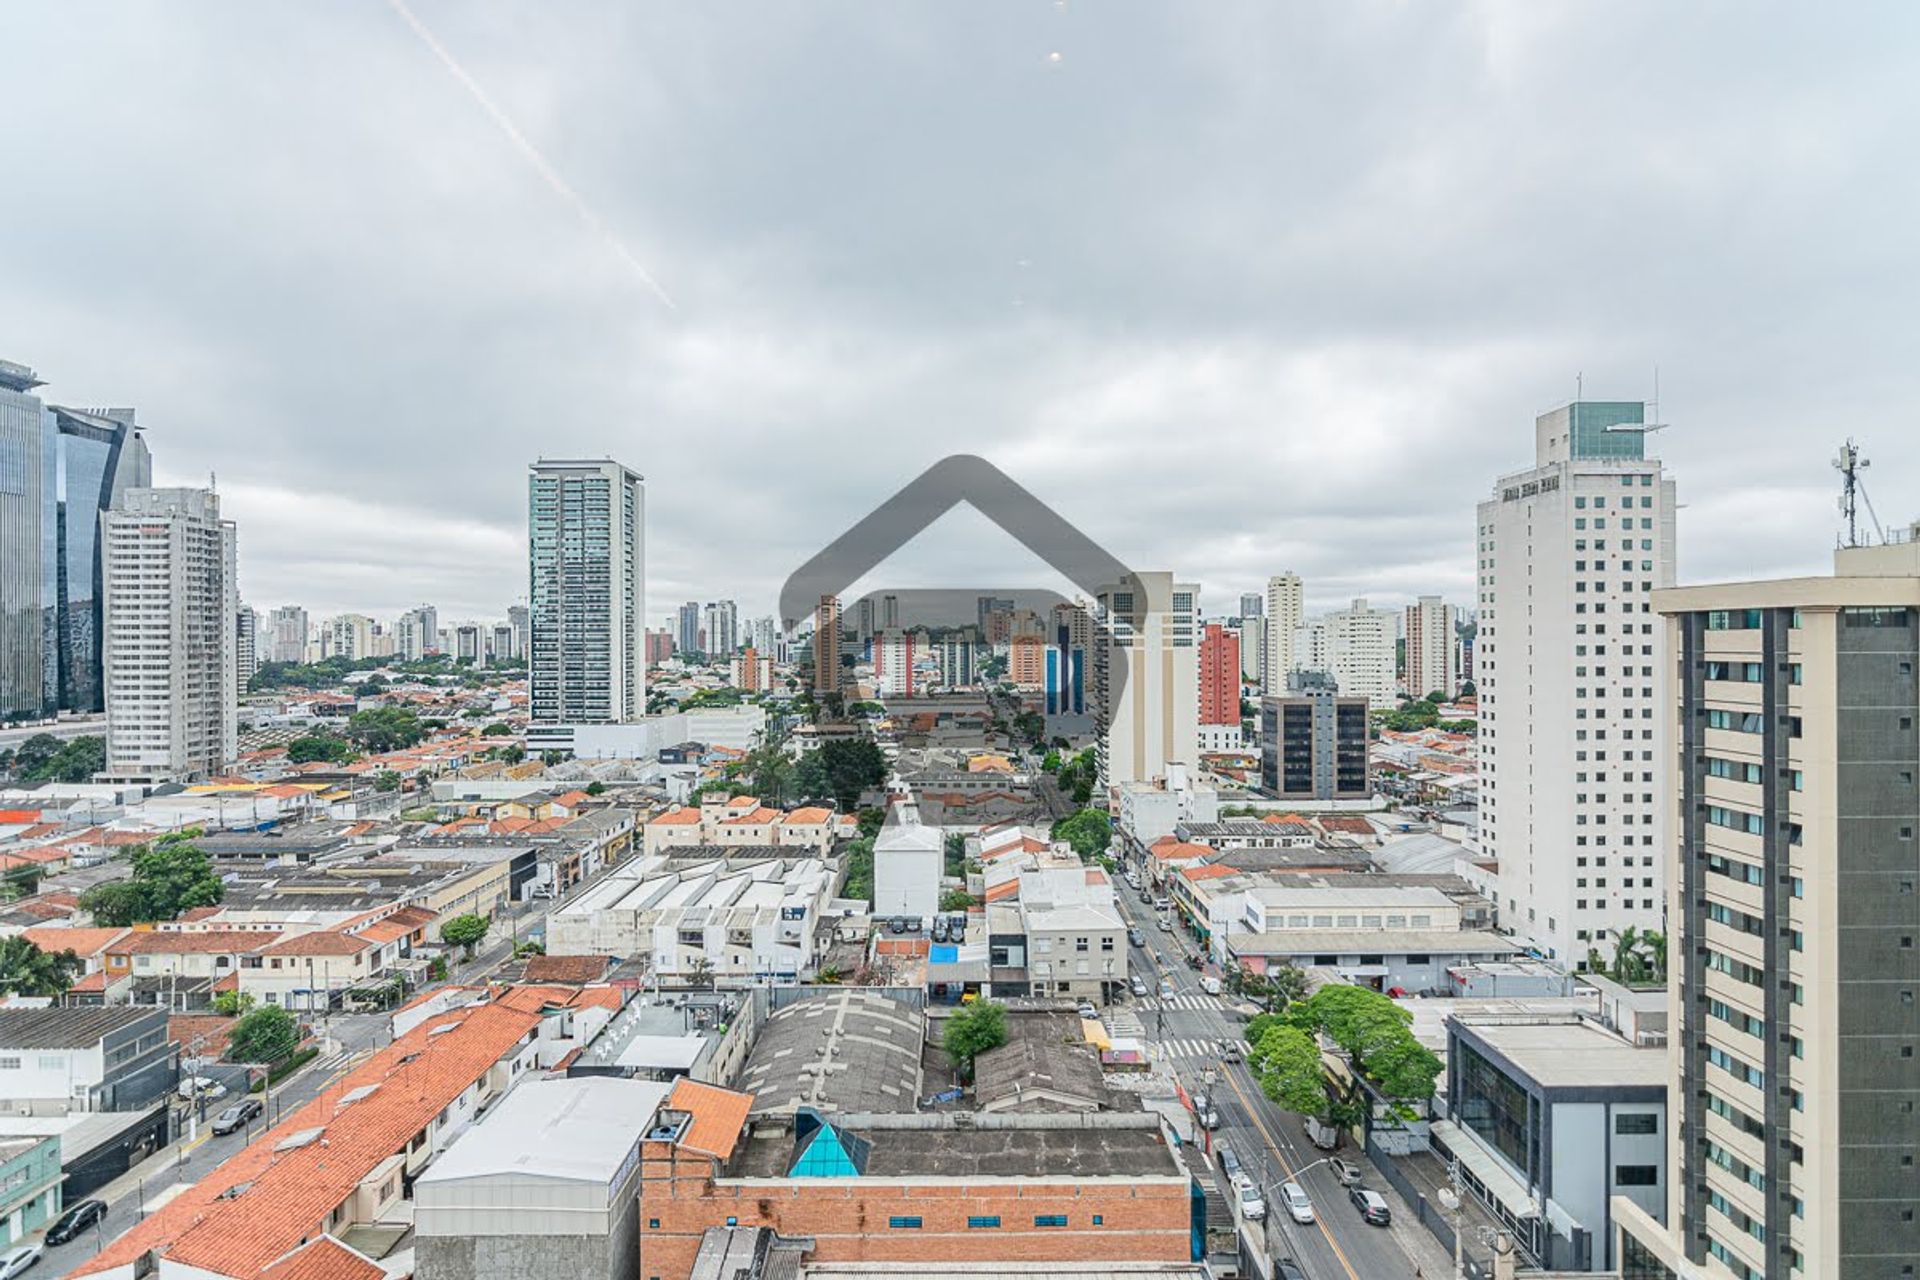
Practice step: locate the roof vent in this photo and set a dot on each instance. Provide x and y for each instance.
(294, 1141)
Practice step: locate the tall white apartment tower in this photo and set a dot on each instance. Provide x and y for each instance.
(1146, 678)
(1571, 669)
(1355, 646)
(587, 591)
(1286, 611)
(170, 656)
(1433, 653)
(286, 639)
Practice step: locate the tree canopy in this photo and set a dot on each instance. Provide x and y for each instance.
(839, 769)
(1286, 1061)
(26, 970)
(971, 1031)
(324, 746)
(264, 1034)
(171, 875)
(45, 758)
(1087, 830)
(381, 729)
(465, 931)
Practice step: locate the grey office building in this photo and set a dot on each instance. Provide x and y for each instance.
(59, 469)
(1313, 742)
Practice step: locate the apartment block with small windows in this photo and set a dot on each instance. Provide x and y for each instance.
(1570, 665)
(1795, 928)
(1146, 677)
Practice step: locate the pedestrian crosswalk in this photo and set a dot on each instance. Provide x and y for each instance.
(1189, 1050)
(1195, 1001)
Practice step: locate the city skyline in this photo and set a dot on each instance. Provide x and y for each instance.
(1255, 313)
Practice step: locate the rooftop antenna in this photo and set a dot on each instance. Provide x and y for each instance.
(1853, 491)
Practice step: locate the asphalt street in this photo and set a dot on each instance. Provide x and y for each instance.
(1187, 1029)
(350, 1038)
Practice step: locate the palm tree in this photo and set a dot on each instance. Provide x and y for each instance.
(1626, 956)
(26, 970)
(1656, 944)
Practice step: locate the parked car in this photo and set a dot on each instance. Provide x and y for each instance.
(1229, 1162)
(237, 1115)
(1205, 1112)
(1373, 1208)
(1287, 1269)
(76, 1219)
(1193, 961)
(16, 1261)
(1139, 985)
(1253, 1205)
(202, 1087)
(1137, 936)
(1345, 1172)
(1294, 1196)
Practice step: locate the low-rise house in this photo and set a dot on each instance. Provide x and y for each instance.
(330, 1186)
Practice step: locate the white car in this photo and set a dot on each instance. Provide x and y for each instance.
(1299, 1208)
(192, 1087)
(16, 1261)
(1253, 1205)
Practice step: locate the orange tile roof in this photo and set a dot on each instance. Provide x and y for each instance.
(753, 817)
(324, 1258)
(675, 818)
(566, 969)
(743, 802)
(196, 942)
(1208, 871)
(1351, 825)
(398, 925)
(1168, 849)
(808, 815)
(82, 942)
(289, 1194)
(571, 798)
(718, 1116)
(18, 817)
(1005, 889)
(95, 981)
(324, 942)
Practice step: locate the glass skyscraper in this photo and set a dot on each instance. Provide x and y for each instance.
(59, 469)
(587, 586)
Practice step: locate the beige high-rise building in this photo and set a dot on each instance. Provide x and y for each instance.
(1793, 923)
(1433, 653)
(1146, 678)
(170, 655)
(826, 646)
(1286, 612)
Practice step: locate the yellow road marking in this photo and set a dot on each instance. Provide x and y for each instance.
(1280, 1155)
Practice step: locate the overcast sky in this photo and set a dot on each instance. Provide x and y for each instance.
(1234, 288)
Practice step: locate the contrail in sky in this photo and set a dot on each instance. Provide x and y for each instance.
(530, 152)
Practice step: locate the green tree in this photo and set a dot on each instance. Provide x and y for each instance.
(1088, 831)
(34, 755)
(1403, 1068)
(386, 780)
(231, 1004)
(267, 1034)
(26, 970)
(327, 747)
(971, 1031)
(496, 730)
(596, 788)
(1287, 1063)
(839, 769)
(465, 931)
(171, 875)
(382, 729)
(955, 900)
(859, 859)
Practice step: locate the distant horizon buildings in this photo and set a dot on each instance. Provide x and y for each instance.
(1357, 646)
(1571, 671)
(170, 656)
(586, 535)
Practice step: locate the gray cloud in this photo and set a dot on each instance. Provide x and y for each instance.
(1235, 289)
